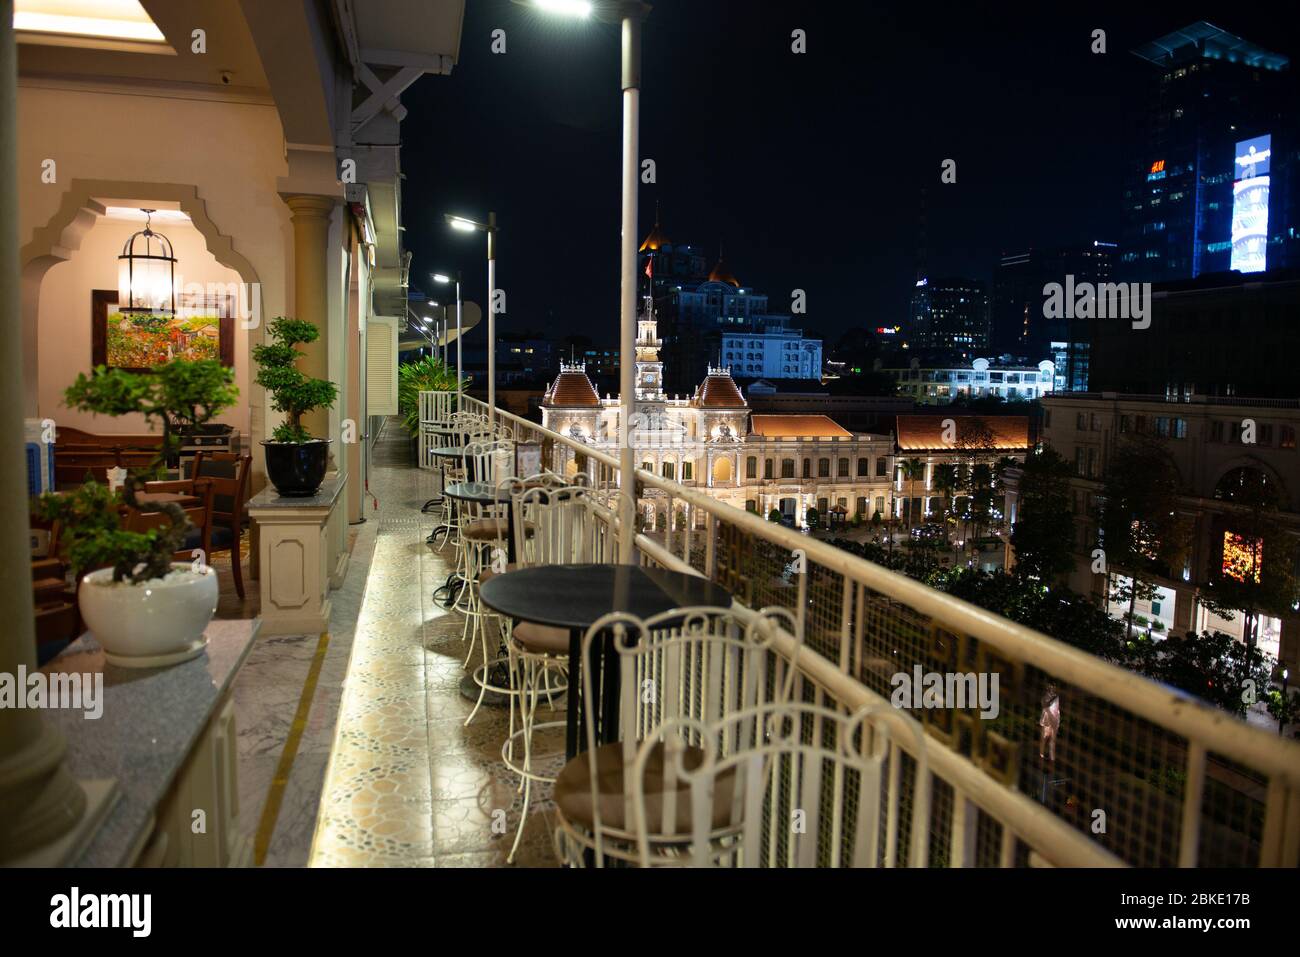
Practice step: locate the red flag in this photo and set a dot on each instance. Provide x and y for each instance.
(649, 267)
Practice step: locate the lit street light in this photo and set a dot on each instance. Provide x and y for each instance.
(466, 225)
(630, 13)
(444, 279)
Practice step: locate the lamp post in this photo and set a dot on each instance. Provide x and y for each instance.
(444, 279)
(630, 14)
(466, 225)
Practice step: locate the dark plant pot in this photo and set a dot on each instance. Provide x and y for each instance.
(296, 469)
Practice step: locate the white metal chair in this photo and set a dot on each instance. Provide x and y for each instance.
(693, 663)
(778, 785)
(552, 527)
(483, 531)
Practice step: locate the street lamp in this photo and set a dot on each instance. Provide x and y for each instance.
(630, 13)
(444, 279)
(466, 225)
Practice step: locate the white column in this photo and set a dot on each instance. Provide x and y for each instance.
(39, 800)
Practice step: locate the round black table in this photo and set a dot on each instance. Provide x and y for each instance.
(574, 597)
(484, 493)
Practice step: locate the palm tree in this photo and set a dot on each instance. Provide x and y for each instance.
(913, 470)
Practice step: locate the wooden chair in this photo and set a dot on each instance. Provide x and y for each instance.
(199, 515)
(226, 474)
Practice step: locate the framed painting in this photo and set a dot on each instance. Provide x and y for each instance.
(203, 327)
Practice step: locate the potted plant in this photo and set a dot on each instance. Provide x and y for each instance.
(295, 461)
(426, 374)
(144, 608)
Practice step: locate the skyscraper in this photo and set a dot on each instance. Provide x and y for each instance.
(950, 315)
(1215, 182)
(1020, 325)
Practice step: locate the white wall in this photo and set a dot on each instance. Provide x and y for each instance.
(234, 153)
(65, 323)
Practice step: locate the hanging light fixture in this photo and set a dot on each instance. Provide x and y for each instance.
(146, 273)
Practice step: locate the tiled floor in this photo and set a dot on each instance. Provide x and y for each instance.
(408, 784)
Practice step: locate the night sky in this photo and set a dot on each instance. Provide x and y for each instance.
(808, 168)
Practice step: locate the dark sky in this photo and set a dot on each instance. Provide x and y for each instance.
(807, 168)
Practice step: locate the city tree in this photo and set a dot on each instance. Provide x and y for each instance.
(1043, 534)
(1141, 531)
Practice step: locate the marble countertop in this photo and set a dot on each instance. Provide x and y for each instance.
(151, 721)
(324, 497)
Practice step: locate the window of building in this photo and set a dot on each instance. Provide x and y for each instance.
(823, 505)
(864, 467)
(1179, 429)
(767, 468)
(670, 470)
(882, 467)
(807, 468)
(843, 470)
(861, 508)
(751, 505)
(880, 505)
(1096, 422)
(687, 469)
(1081, 422)
(1216, 431)
(751, 467)
(787, 468)
(823, 468)
(1125, 423)
(1264, 435)
(1285, 437)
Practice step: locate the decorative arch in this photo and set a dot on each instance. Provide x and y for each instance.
(78, 212)
(722, 470)
(1250, 463)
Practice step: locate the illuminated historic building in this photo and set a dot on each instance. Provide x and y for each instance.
(787, 463)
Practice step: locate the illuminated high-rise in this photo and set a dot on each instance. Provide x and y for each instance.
(1215, 182)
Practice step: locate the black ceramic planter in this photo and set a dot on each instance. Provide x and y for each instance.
(296, 469)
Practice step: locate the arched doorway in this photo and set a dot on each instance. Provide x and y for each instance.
(722, 470)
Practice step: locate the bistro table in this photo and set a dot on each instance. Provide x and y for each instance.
(484, 493)
(576, 596)
(457, 453)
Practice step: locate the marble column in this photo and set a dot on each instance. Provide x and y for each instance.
(311, 223)
(40, 801)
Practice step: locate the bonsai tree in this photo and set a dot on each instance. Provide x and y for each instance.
(181, 393)
(774, 515)
(291, 392)
(814, 518)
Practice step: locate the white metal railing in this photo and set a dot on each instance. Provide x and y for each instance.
(436, 410)
(1144, 774)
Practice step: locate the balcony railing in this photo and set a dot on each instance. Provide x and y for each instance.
(1144, 774)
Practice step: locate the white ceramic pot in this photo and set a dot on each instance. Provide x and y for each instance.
(157, 622)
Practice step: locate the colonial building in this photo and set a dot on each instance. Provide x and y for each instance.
(789, 463)
(1212, 440)
(983, 378)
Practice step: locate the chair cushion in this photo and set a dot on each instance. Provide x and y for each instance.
(485, 529)
(573, 797)
(487, 574)
(542, 639)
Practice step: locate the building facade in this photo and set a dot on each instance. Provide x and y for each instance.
(1215, 182)
(709, 440)
(1021, 325)
(1211, 445)
(983, 378)
(950, 315)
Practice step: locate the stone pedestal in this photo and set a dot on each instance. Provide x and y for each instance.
(301, 556)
